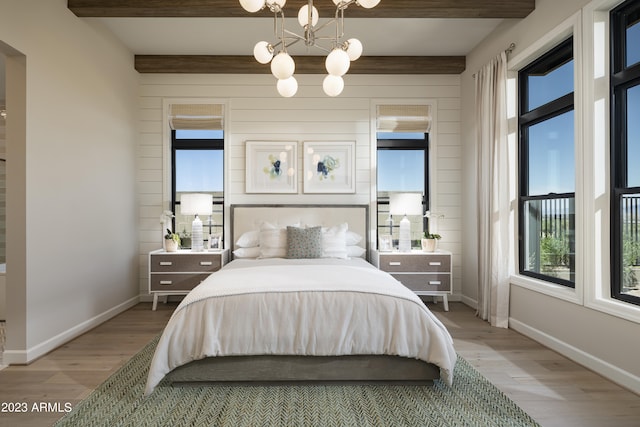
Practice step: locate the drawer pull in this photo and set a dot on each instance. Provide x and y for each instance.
(395, 263)
(166, 263)
(435, 282)
(206, 262)
(435, 263)
(166, 282)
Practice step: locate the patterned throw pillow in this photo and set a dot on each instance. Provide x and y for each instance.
(304, 242)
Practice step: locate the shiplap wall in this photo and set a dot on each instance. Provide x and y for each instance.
(254, 111)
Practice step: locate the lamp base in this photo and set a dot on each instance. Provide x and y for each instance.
(197, 239)
(404, 240)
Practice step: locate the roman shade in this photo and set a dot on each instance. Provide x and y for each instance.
(196, 116)
(403, 118)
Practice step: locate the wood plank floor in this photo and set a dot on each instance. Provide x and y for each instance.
(552, 389)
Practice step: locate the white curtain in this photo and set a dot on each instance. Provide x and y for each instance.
(493, 192)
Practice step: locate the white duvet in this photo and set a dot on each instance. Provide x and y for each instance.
(316, 307)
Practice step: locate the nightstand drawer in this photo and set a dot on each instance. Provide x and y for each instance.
(168, 282)
(429, 263)
(425, 282)
(188, 263)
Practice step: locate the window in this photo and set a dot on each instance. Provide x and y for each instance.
(197, 158)
(625, 152)
(547, 167)
(403, 159)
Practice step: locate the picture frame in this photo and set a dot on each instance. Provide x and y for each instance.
(215, 241)
(329, 166)
(271, 167)
(385, 243)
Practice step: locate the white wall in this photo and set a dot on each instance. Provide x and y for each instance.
(582, 323)
(72, 105)
(256, 112)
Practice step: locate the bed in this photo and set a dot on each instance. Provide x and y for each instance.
(329, 318)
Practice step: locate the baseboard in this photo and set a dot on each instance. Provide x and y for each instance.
(470, 302)
(24, 357)
(606, 369)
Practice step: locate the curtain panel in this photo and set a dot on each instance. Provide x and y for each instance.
(493, 183)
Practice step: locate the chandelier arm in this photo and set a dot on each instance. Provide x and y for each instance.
(326, 24)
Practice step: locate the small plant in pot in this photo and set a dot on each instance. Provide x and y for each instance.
(430, 242)
(171, 241)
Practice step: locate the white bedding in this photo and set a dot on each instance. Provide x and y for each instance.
(316, 307)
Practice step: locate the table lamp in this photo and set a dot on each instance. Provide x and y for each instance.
(405, 204)
(196, 204)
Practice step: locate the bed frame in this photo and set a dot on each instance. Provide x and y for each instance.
(287, 369)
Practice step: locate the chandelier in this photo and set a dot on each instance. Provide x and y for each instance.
(340, 52)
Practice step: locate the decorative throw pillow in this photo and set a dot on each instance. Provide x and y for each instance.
(304, 242)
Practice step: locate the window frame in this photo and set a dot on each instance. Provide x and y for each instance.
(622, 78)
(194, 144)
(551, 59)
(406, 144)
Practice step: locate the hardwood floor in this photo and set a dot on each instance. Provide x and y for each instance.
(551, 388)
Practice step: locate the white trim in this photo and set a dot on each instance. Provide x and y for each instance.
(433, 153)
(572, 26)
(547, 288)
(166, 139)
(21, 357)
(604, 368)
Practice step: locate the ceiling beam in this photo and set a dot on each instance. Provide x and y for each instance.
(232, 8)
(214, 64)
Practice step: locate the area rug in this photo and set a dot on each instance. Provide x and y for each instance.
(471, 401)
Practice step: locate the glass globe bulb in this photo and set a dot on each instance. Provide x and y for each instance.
(355, 49)
(337, 62)
(303, 16)
(333, 85)
(252, 6)
(282, 66)
(262, 52)
(287, 87)
(368, 4)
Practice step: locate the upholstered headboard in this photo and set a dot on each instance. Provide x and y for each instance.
(248, 217)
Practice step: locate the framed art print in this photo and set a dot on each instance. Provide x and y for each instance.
(329, 167)
(271, 167)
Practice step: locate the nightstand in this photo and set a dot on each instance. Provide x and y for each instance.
(425, 273)
(176, 273)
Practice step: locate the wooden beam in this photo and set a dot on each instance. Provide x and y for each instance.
(232, 8)
(212, 64)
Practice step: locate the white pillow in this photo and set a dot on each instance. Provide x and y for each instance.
(247, 252)
(334, 241)
(273, 241)
(353, 238)
(355, 251)
(249, 239)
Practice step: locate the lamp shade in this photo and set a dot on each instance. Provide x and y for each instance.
(196, 204)
(405, 204)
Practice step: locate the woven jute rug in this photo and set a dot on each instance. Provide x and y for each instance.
(471, 401)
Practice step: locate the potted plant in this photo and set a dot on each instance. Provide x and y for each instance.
(430, 242)
(171, 241)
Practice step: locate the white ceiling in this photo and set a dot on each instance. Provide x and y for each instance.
(237, 36)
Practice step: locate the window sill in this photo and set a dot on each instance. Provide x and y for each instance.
(547, 288)
(613, 307)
